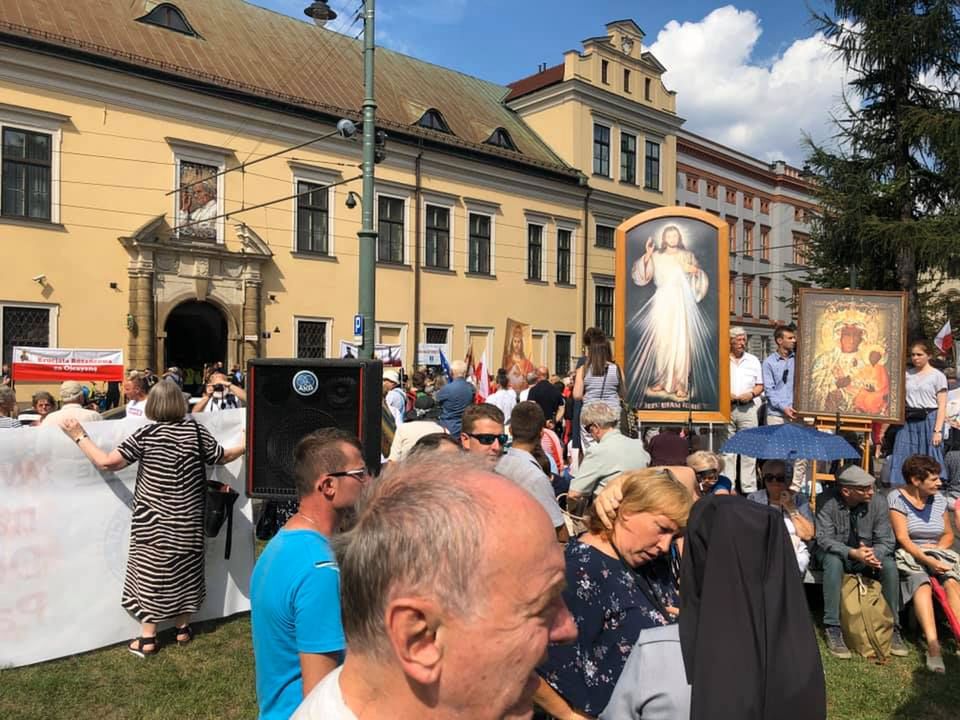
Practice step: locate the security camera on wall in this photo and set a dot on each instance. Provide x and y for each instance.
(41, 278)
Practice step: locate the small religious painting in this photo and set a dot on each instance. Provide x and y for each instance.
(851, 354)
(671, 315)
(517, 351)
(198, 202)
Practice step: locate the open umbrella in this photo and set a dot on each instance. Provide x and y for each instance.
(789, 442)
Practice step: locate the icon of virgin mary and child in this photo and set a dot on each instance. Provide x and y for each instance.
(673, 333)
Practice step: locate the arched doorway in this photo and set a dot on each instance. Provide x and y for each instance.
(196, 334)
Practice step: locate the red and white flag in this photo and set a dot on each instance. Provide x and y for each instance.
(483, 380)
(944, 338)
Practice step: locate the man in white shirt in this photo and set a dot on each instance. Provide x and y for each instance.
(505, 397)
(135, 390)
(456, 638)
(71, 399)
(746, 387)
(394, 396)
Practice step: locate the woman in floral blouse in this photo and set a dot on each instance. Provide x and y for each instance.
(619, 581)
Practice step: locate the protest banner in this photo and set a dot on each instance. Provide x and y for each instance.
(53, 365)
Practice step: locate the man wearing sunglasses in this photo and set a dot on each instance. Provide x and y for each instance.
(295, 587)
(481, 432)
(778, 377)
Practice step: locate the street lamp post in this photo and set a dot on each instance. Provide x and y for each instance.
(367, 297)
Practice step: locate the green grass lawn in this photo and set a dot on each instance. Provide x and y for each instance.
(213, 678)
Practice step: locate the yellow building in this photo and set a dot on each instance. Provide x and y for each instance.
(606, 111)
(151, 200)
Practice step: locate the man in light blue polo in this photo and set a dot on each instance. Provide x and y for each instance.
(778, 378)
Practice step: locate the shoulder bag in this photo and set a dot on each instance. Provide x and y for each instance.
(218, 502)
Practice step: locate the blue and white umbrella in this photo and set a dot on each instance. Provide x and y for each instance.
(789, 442)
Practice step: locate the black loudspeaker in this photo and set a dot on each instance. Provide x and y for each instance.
(289, 398)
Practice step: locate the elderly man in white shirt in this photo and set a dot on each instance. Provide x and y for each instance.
(746, 387)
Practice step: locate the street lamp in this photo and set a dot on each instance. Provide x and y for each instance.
(321, 14)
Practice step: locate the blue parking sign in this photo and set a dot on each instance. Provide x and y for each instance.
(358, 324)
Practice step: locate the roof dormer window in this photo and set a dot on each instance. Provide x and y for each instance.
(433, 120)
(501, 138)
(169, 16)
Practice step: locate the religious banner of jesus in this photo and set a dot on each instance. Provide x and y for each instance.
(671, 315)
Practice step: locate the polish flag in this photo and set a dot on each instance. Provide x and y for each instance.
(483, 381)
(944, 338)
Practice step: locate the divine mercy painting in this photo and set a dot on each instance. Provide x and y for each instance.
(672, 288)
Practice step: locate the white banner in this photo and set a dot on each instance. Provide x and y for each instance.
(33, 364)
(64, 528)
(388, 354)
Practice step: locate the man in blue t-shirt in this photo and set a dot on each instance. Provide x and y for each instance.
(454, 397)
(295, 589)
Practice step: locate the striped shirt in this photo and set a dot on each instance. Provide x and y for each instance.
(602, 387)
(923, 526)
(9, 422)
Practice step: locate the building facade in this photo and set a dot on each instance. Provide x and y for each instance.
(173, 185)
(768, 207)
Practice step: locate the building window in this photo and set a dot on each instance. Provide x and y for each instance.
(747, 296)
(501, 138)
(605, 236)
(747, 239)
(711, 189)
(433, 120)
(311, 338)
(693, 184)
(24, 326)
(628, 158)
(799, 215)
(652, 166)
(692, 205)
(437, 335)
(765, 243)
(732, 296)
(601, 150)
(626, 80)
(764, 297)
(748, 201)
(480, 244)
(312, 219)
(764, 206)
(603, 309)
(27, 172)
(800, 249)
(732, 233)
(604, 72)
(563, 352)
(647, 89)
(170, 17)
(731, 196)
(564, 241)
(534, 252)
(198, 200)
(390, 229)
(436, 249)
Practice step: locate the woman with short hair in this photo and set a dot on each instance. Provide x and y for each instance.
(620, 581)
(8, 407)
(165, 574)
(709, 468)
(43, 404)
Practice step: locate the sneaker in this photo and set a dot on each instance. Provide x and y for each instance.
(897, 646)
(835, 644)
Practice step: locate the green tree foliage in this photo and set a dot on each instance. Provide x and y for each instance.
(889, 184)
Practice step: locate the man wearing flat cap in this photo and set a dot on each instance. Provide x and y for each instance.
(71, 399)
(854, 536)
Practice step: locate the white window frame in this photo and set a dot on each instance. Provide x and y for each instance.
(553, 349)
(402, 327)
(396, 195)
(437, 201)
(52, 324)
(489, 332)
(328, 333)
(609, 126)
(660, 142)
(572, 227)
(607, 282)
(440, 326)
(636, 154)
(183, 152)
(491, 210)
(38, 121)
(544, 222)
(542, 337)
(315, 176)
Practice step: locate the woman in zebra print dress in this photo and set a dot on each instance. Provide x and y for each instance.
(165, 578)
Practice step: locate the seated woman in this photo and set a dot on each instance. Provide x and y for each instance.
(918, 514)
(620, 580)
(795, 507)
(708, 466)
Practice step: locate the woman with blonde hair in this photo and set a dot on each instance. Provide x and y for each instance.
(620, 580)
(709, 468)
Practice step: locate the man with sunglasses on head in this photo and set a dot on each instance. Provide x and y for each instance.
(778, 377)
(295, 588)
(526, 423)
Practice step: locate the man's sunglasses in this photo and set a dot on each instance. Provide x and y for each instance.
(489, 438)
(774, 478)
(360, 474)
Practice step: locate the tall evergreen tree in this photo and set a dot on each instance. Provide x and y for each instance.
(889, 186)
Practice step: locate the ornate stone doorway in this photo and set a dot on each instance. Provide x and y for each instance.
(196, 335)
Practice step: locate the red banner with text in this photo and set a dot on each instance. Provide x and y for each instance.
(33, 364)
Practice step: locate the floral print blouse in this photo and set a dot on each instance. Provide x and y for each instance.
(610, 605)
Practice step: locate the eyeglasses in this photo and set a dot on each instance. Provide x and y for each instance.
(489, 438)
(360, 474)
(774, 478)
(707, 473)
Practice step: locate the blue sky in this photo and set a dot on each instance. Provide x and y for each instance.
(752, 75)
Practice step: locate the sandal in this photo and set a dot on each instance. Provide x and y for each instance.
(139, 646)
(935, 663)
(185, 630)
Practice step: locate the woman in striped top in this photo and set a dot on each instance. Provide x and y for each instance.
(598, 379)
(165, 577)
(918, 514)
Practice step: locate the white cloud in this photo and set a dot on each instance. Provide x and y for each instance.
(760, 107)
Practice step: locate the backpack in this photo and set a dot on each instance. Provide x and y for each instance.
(865, 618)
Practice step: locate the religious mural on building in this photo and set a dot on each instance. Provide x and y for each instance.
(197, 209)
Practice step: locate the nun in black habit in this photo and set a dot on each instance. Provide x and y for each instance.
(748, 643)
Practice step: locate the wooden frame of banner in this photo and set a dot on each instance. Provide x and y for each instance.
(826, 423)
(722, 415)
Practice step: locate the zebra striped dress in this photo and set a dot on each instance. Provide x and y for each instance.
(165, 565)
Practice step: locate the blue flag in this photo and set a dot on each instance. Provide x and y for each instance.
(445, 366)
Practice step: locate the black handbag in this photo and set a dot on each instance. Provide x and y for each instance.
(218, 501)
